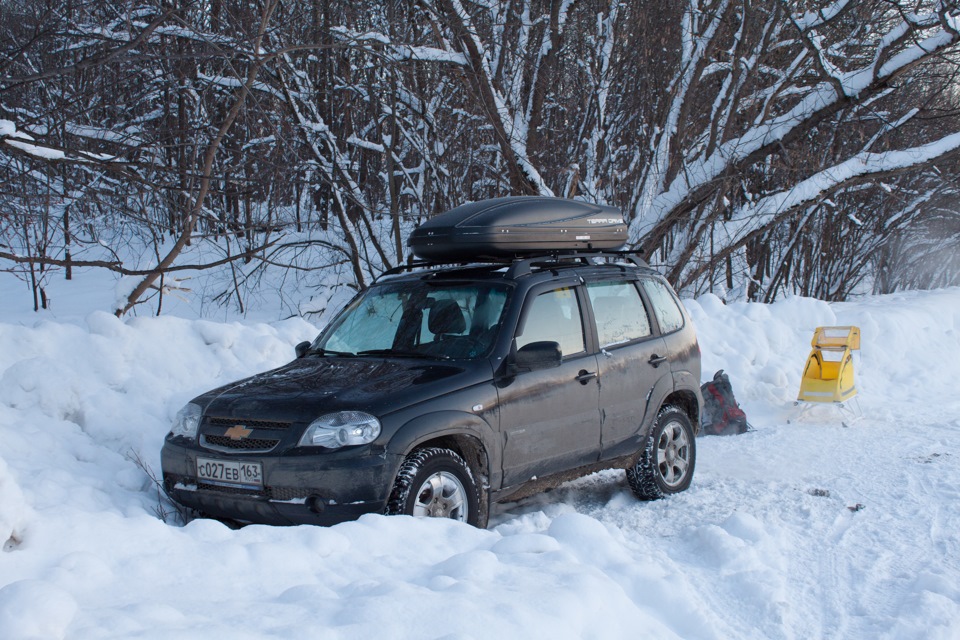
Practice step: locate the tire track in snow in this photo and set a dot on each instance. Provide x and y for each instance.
(764, 559)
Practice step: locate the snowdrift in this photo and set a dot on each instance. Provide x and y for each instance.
(801, 528)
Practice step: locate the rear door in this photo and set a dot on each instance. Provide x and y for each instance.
(550, 418)
(633, 367)
(679, 335)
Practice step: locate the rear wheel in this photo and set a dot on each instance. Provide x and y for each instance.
(436, 483)
(668, 459)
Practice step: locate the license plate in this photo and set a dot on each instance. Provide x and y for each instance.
(247, 474)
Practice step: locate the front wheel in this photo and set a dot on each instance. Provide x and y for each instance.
(667, 461)
(436, 483)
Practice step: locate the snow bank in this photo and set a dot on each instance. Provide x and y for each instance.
(14, 512)
(801, 528)
(909, 344)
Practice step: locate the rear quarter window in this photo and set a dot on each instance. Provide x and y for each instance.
(666, 307)
(619, 312)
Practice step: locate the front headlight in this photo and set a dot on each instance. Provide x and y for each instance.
(341, 429)
(187, 421)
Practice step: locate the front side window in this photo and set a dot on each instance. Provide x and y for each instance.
(447, 321)
(665, 305)
(619, 312)
(554, 316)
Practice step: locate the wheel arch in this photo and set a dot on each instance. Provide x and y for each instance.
(688, 402)
(468, 435)
(469, 447)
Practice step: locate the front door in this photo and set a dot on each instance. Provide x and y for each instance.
(550, 419)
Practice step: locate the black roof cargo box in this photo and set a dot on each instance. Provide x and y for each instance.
(516, 227)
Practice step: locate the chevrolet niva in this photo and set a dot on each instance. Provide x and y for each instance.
(523, 353)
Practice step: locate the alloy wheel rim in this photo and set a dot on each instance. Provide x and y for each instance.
(673, 454)
(441, 496)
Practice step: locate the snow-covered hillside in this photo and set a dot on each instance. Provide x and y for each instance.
(802, 528)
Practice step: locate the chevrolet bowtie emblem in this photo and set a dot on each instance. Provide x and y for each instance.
(237, 432)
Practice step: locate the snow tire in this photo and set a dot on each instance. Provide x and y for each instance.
(436, 483)
(668, 458)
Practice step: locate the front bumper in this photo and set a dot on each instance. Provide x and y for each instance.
(298, 487)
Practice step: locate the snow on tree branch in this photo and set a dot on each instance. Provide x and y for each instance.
(762, 212)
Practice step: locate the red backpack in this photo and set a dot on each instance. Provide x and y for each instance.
(722, 416)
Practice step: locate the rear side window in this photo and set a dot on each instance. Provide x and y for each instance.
(555, 317)
(619, 312)
(665, 305)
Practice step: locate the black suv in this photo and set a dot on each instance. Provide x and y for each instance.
(443, 388)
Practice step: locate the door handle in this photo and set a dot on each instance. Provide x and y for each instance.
(656, 360)
(585, 376)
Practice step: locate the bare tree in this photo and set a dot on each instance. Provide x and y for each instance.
(757, 147)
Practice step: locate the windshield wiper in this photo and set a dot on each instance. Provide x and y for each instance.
(400, 353)
(328, 352)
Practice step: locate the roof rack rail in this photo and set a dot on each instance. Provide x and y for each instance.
(525, 264)
(427, 264)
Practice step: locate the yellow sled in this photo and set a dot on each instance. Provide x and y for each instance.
(828, 375)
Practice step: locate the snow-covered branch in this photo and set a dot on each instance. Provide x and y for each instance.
(842, 89)
(764, 211)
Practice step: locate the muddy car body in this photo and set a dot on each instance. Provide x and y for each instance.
(444, 388)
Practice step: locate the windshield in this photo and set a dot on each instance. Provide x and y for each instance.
(418, 319)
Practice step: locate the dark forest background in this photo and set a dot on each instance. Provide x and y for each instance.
(757, 147)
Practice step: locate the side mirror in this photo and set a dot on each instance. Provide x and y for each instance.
(301, 349)
(538, 355)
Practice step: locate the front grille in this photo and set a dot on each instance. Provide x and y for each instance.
(244, 444)
(272, 493)
(287, 493)
(282, 494)
(219, 421)
(236, 491)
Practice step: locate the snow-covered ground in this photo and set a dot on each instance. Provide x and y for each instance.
(802, 528)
